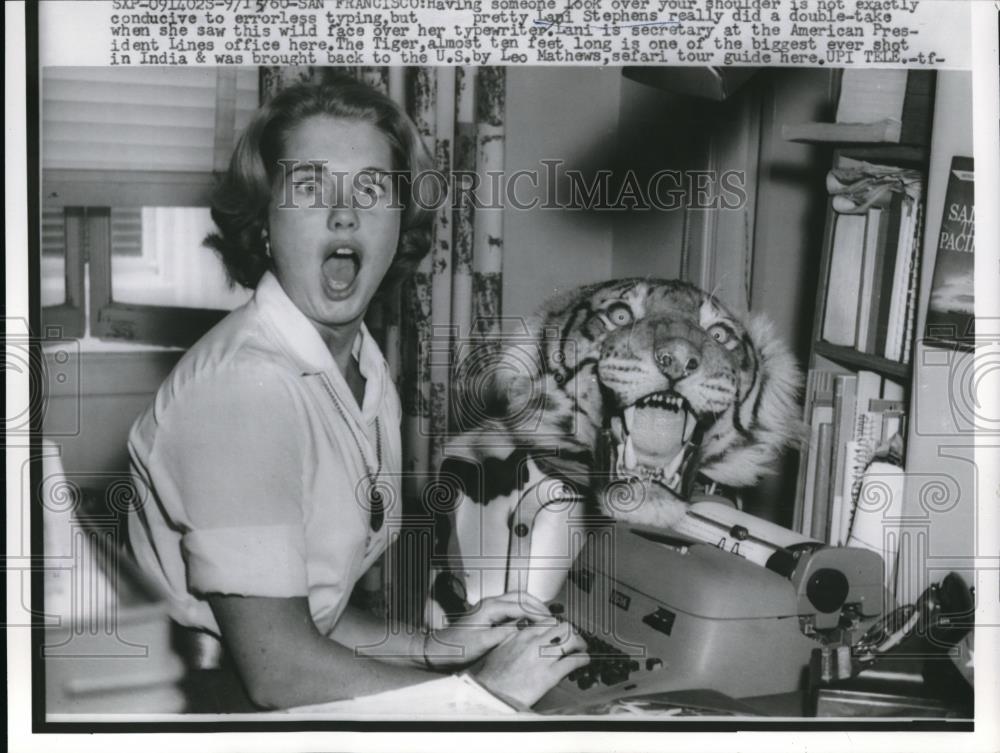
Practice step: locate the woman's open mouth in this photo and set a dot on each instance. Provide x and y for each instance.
(340, 270)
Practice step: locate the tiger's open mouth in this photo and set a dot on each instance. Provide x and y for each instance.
(655, 439)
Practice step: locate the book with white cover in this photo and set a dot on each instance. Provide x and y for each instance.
(868, 293)
(844, 282)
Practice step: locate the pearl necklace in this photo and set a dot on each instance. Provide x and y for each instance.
(375, 501)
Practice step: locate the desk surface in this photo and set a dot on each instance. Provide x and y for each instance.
(918, 679)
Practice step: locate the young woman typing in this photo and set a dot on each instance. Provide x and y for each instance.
(272, 453)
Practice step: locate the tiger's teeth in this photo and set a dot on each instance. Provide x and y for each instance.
(629, 417)
(630, 459)
(669, 471)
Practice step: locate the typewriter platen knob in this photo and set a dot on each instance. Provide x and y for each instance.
(827, 590)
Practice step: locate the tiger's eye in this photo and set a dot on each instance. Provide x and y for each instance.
(620, 315)
(719, 333)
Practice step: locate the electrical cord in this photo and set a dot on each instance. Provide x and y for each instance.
(884, 636)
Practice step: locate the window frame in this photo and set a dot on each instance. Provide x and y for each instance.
(70, 316)
(87, 197)
(90, 242)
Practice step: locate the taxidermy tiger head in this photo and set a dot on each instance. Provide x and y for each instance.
(646, 383)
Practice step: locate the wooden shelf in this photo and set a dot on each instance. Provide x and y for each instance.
(882, 132)
(861, 141)
(855, 359)
(894, 154)
(827, 132)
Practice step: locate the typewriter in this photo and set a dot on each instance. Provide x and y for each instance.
(723, 601)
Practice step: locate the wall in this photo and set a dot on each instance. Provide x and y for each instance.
(791, 203)
(593, 119)
(88, 414)
(654, 133)
(788, 236)
(570, 115)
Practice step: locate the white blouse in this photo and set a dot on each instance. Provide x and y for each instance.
(250, 470)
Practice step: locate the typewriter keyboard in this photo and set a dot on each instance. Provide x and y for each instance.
(608, 664)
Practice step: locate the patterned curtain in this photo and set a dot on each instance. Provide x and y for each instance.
(455, 293)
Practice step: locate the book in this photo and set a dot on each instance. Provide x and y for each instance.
(910, 317)
(895, 324)
(869, 388)
(892, 390)
(819, 410)
(820, 527)
(844, 281)
(950, 313)
(859, 449)
(867, 300)
(885, 273)
(845, 388)
(802, 509)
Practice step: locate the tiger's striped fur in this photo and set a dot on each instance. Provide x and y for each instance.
(592, 352)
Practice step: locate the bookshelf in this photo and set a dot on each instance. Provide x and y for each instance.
(863, 328)
(851, 358)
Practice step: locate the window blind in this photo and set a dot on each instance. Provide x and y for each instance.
(143, 118)
(53, 233)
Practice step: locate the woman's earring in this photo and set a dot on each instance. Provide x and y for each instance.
(267, 242)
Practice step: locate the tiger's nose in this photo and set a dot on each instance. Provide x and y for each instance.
(677, 358)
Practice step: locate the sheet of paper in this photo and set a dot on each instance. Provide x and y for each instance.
(450, 696)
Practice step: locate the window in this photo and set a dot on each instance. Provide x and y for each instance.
(157, 258)
(129, 158)
(53, 258)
